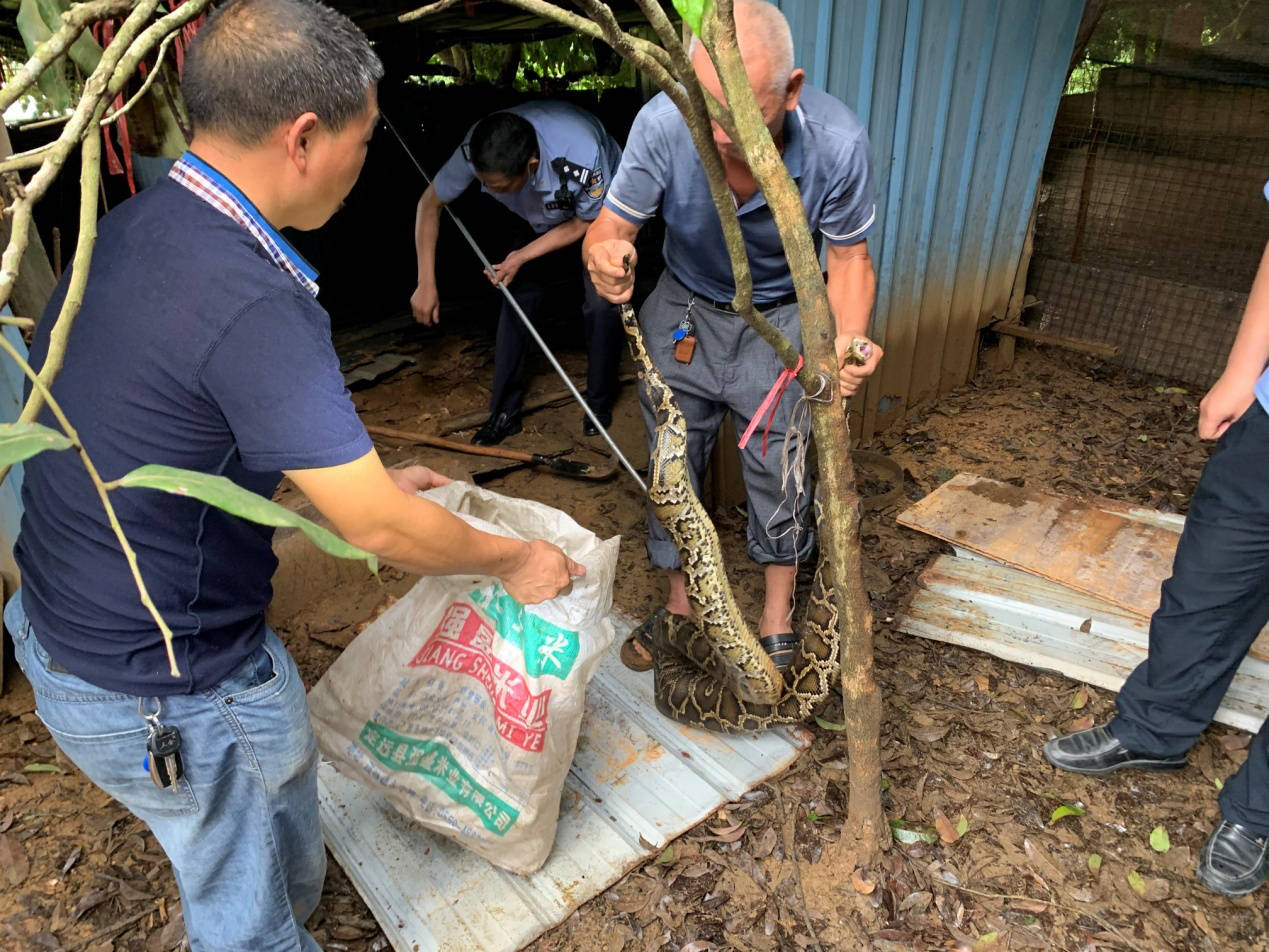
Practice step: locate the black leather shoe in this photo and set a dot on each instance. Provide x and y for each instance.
(589, 428)
(1096, 751)
(1234, 860)
(496, 429)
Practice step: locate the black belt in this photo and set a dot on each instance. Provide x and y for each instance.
(790, 298)
(725, 306)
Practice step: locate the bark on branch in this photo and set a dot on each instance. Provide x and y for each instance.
(74, 21)
(839, 528)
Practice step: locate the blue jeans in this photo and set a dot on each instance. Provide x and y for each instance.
(241, 829)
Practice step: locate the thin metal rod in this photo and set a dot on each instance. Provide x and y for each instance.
(515, 306)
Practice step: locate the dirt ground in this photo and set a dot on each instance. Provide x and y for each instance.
(960, 739)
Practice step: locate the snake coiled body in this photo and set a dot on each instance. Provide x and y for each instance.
(710, 671)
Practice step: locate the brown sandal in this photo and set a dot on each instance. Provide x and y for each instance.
(636, 650)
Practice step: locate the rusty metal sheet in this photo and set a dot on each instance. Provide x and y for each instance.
(638, 780)
(1112, 550)
(1108, 555)
(1016, 616)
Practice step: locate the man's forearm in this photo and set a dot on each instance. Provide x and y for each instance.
(368, 509)
(561, 236)
(852, 289)
(427, 223)
(1250, 353)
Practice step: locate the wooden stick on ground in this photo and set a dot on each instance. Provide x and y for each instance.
(465, 421)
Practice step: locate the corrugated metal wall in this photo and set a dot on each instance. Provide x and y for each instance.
(959, 98)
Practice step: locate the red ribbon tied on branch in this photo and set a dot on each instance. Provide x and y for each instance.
(769, 405)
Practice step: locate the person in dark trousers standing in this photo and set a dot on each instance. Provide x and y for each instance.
(200, 345)
(550, 163)
(1210, 612)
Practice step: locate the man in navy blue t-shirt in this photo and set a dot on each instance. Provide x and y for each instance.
(200, 345)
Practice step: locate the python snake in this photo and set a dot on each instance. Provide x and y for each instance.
(709, 669)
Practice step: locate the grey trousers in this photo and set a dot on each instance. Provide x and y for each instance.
(732, 369)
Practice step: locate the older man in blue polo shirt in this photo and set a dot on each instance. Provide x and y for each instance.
(200, 345)
(550, 163)
(825, 149)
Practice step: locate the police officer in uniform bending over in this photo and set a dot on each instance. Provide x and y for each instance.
(550, 163)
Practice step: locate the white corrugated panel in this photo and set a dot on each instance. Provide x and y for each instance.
(638, 780)
(1008, 613)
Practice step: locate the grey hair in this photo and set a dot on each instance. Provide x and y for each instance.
(766, 27)
(258, 63)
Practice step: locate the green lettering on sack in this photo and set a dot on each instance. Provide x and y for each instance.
(433, 760)
(547, 648)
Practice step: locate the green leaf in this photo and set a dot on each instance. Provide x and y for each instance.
(904, 835)
(1220, 784)
(962, 825)
(1137, 882)
(1080, 698)
(225, 494)
(667, 856)
(829, 725)
(1095, 862)
(19, 441)
(43, 768)
(1065, 809)
(692, 12)
(812, 816)
(1159, 841)
(986, 941)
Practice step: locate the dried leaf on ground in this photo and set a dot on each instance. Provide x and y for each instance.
(13, 860)
(947, 832)
(862, 885)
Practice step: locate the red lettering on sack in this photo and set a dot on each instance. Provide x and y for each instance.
(461, 644)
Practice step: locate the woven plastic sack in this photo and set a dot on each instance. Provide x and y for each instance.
(462, 707)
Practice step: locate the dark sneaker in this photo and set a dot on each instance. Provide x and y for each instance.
(1234, 860)
(589, 428)
(1096, 751)
(496, 429)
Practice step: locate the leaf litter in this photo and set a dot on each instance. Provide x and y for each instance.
(960, 736)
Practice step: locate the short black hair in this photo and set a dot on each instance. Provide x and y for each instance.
(258, 63)
(502, 144)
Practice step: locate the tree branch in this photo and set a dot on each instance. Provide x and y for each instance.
(839, 523)
(91, 105)
(124, 544)
(74, 21)
(89, 185)
(423, 11)
(145, 86)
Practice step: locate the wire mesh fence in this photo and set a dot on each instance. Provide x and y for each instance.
(1152, 215)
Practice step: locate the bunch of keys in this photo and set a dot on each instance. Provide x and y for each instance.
(162, 749)
(684, 336)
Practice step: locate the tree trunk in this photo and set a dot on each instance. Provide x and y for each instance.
(865, 829)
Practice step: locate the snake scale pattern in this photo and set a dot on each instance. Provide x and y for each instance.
(709, 669)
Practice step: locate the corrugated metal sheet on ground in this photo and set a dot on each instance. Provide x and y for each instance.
(1114, 552)
(1013, 615)
(638, 780)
